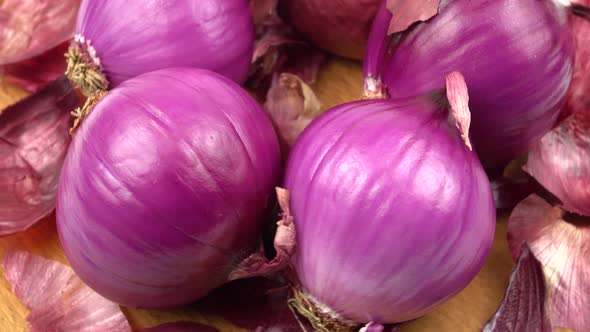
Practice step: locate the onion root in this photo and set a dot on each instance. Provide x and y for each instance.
(84, 69)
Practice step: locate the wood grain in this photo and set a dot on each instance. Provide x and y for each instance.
(339, 81)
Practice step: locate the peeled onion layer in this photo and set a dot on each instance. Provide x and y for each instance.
(60, 301)
(578, 99)
(34, 140)
(405, 13)
(523, 307)
(517, 58)
(30, 27)
(561, 242)
(560, 161)
(35, 73)
(117, 40)
(291, 105)
(279, 49)
(387, 241)
(57, 298)
(165, 186)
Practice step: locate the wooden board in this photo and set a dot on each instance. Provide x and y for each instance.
(339, 81)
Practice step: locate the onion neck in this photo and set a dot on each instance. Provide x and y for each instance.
(84, 68)
(319, 316)
(374, 88)
(375, 54)
(82, 112)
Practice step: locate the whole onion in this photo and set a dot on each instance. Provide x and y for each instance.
(517, 57)
(119, 39)
(341, 27)
(164, 187)
(394, 213)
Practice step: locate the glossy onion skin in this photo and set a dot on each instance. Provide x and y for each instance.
(164, 187)
(337, 26)
(136, 37)
(393, 213)
(517, 58)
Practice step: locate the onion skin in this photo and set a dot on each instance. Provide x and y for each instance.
(517, 57)
(562, 246)
(58, 300)
(560, 161)
(34, 141)
(31, 27)
(136, 37)
(394, 213)
(164, 187)
(340, 27)
(523, 307)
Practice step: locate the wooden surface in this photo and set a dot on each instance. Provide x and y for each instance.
(339, 81)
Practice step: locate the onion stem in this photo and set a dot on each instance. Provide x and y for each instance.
(81, 113)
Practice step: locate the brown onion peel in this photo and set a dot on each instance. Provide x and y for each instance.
(33, 143)
(563, 248)
(523, 306)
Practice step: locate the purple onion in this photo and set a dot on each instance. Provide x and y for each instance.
(119, 39)
(393, 211)
(164, 187)
(516, 55)
(341, 27)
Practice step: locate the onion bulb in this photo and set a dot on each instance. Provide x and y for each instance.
(117, 39)
(341, 27)
(164, 188)
(394, 212)
(517, 57)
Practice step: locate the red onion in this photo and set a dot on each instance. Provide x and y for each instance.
(279, 49)
(394, 212)
(517, 57)
(31, 27)
(340, 27)
(118, 39)
(163, 191)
